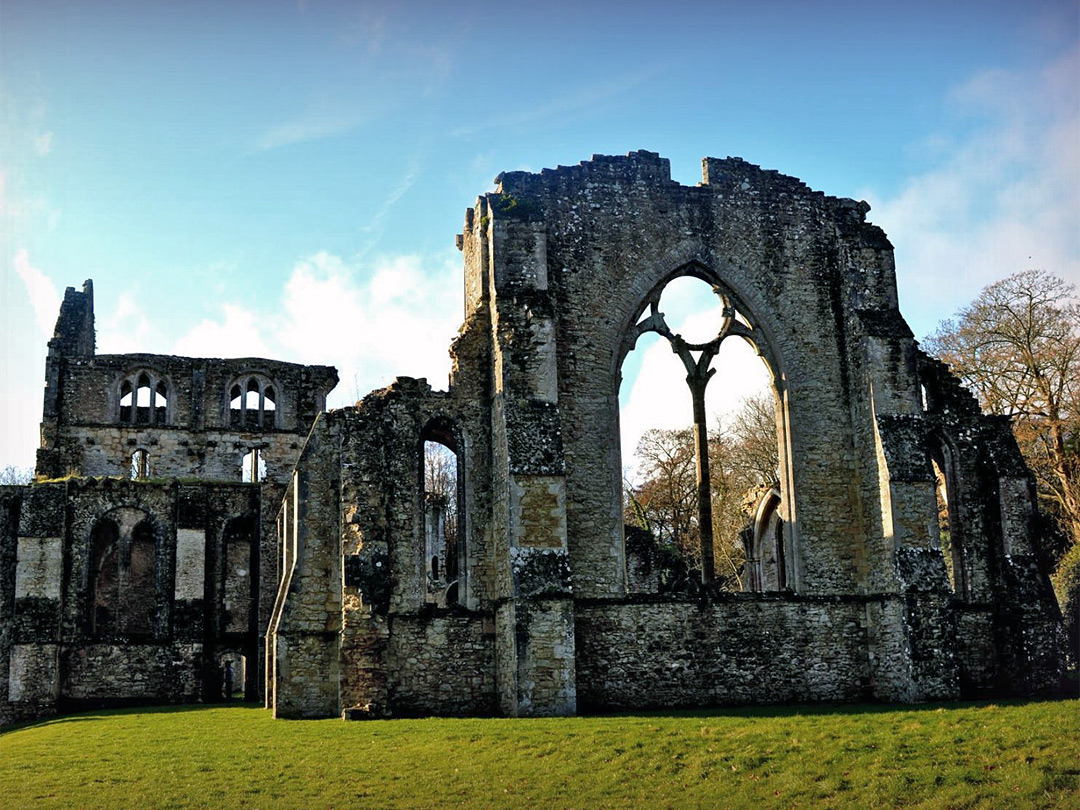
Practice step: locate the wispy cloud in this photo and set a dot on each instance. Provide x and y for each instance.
(374, 225)
(1000, 200)
(311, 127)
(42, 292)
(560, 107)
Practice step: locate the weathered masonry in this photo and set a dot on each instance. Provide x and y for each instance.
(146, 554)
(145, 558)
(853, 599)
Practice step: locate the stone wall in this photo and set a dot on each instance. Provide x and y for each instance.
(165, 624)
(441, 663)
(190, 424)
(546, 612)
(748, 648)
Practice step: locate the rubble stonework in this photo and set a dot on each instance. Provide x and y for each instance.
(541, 605)
(116, 591)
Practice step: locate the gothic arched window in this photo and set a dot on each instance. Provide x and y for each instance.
(252, 404)
(143, 399)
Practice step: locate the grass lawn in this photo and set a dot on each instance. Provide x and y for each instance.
(1005, 755)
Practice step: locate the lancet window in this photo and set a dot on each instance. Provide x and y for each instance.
(143, 399)
(253, 404)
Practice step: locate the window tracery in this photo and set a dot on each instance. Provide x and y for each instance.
(143, 399)
(253, 404)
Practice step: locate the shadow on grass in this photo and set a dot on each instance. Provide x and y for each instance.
(98, 714)
(746, 712)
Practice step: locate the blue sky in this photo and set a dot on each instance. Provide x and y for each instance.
(286, 178)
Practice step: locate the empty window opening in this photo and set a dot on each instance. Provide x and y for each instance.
(140, 464)
(253, 467)
(126, 401)
(160, 402)
(443, 539)
(252, 405)
(664, 427)
(143, 400)
(236, 407)
(949, 540)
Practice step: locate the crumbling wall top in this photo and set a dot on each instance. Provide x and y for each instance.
(74, 331)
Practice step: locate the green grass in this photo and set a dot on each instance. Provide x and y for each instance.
(1007, 755)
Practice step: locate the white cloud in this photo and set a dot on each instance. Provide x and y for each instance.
(310, 127)
(392, 316)
(124, 330)
(42, 292)
(1003, 199)
(43, 144)
(239, 331)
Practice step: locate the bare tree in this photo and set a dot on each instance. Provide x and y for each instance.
(742, 457)
(1017, 346)
(754, 452)
(440, 478)
(666, 502)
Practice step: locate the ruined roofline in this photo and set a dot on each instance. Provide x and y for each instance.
(255, 362)
(726, 174)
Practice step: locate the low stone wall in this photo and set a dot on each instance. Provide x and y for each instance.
(442, 663)
(103, 674)
(748, 648)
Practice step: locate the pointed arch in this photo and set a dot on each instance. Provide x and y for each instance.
(442, 488)
(252, 403)
(739, 321)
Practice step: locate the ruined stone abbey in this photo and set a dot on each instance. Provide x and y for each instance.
(189, 513)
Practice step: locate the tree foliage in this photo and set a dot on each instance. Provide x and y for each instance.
(742, 456)
(1017, 346)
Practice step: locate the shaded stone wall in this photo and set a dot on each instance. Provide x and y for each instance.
(57, 654)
